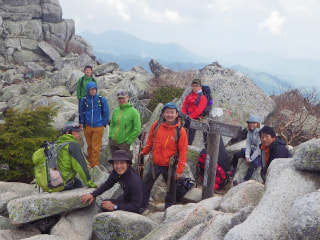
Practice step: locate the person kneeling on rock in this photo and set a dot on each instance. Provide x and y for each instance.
(134, 191)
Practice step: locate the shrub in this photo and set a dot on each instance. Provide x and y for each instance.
(20, 135)
(163, 95)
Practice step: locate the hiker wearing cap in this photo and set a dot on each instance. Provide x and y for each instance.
(82, 82)
(194, 108)
(125, 124)
(251, 153)
(133, 197)
(94, 116)
(272, 147)
(167, 144)
(71, 160)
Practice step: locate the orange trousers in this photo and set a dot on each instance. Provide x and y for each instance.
(94, 141)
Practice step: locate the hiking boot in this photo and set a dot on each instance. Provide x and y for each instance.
(235, 183)
(231, 172)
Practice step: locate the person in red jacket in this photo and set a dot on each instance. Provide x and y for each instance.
(193, 105)
(169, 152)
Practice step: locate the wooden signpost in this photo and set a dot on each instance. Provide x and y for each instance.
(214, 129)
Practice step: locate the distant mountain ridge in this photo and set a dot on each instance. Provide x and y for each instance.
(268, 71)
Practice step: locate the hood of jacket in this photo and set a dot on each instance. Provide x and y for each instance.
(89, 86)
(126, 105)
(66, 138)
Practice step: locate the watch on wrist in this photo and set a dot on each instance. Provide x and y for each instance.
(115, 207)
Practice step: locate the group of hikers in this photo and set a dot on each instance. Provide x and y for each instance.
(167, 146)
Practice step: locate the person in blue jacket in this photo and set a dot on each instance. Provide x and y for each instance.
(94, 116)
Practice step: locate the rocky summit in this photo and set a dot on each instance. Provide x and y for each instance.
(41, 60)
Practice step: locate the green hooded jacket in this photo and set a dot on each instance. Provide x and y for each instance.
(82, 84)
(125, 124)
(72, 162)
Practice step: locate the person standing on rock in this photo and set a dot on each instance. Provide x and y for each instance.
(168, 144)
(125, 124)
(134, 191)
(71, 160)
(251, 153)
(94, 116)
(82, 82)
(193, 105)
(272, 147)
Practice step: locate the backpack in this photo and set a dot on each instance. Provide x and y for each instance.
(221, 177)
(183, 185)
(48, 176)
(206, 91)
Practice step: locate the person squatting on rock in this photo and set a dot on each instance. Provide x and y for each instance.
(71, 160)
(167, 144)
(272, 147)
(251, 153)
(133, 198)
(83, 81)
(192, 109)
(125, 124)
(94, 116)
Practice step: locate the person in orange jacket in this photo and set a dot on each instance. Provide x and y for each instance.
(169, 144)
(193, 105)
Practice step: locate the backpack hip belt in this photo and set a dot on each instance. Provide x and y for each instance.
(172, 162)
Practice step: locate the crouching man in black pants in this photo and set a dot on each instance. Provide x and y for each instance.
(133, 198)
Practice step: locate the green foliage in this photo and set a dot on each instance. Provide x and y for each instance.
(164, 95)
(20, 135)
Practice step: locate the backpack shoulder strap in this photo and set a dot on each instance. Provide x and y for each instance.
(81, 83)
(198, 98)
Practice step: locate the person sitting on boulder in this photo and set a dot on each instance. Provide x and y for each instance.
(251, 153)
(71, 160)
(169, 144)
(272, 147)
(134, 191)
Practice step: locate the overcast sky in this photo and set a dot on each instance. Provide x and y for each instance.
(287, 28)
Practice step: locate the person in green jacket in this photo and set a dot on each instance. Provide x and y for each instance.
(71, 160)
(82, 82)
(125, 124)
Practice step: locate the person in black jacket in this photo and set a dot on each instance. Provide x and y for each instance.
(133, 198)
(272, 147)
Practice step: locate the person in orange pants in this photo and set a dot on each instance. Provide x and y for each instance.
(94, 116)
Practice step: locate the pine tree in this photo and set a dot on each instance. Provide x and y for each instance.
(20, 135)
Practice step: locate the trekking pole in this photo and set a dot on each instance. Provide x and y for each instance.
(140, 162)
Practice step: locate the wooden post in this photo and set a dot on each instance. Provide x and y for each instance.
(211, 165)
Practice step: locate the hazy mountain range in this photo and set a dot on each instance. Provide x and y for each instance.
(271, 73)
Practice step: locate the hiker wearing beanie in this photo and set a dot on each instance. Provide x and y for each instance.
(134, 191)
(71, 160)
(252, 152)
(94, 116)
(272, 147)
(167, 144)
(193, 107)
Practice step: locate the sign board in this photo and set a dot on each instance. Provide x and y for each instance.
(215, 127)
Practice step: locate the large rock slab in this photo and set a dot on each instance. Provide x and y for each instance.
(121, 225)
(28, 209)
(180, 219)
(307, 156)
(304, 217)
(269, 220)
(44, 237)
(244, 195)
(51, 11)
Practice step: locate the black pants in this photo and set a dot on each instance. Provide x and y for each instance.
(192, 133)
(170, 198)
(252, 166)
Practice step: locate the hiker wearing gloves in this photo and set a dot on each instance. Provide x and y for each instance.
(133, 197)
(272, 147)
(94, 116)
(71, 160)
(193, 105)
(167, 144)
(125, 124)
